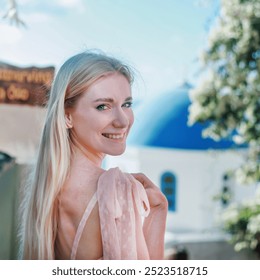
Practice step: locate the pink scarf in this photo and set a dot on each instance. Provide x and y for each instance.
(122, 203)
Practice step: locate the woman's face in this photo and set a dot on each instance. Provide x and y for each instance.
(103, 116)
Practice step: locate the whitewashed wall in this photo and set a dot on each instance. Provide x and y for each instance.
(199, 178)
(20, 128)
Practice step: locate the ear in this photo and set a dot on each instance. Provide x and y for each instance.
(68, 120)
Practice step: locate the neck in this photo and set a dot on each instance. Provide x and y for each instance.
(85, 155)
(84, 158)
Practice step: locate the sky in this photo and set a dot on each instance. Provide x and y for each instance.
(161, 39)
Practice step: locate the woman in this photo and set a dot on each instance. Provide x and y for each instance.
(73, 208)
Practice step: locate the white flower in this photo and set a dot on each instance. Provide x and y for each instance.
(252, 76)
(254, 224)
(238, 139)
(231, 214)
(194, 111)
(239, 246)
(253, 243)
(226, 90)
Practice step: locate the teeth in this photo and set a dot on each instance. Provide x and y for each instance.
(114, 136)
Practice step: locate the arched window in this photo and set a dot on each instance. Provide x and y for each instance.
(168, 187)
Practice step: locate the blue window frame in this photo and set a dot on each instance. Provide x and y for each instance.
(169, 188)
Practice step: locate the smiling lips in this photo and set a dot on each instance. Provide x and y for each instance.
(114, 136)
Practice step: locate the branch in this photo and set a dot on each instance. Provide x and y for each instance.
(12, 14)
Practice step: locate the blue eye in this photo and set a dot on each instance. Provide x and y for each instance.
(101, 107)
(128, 104)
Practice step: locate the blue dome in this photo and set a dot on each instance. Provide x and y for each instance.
(162, 122)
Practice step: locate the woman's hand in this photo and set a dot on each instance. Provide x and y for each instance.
(155, 224)
(155, 196)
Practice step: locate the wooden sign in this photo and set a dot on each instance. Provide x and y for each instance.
(29, 85)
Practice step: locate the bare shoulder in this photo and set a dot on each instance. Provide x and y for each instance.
(78, 189)
(76, 194)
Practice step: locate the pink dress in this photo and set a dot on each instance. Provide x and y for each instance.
(122, 202)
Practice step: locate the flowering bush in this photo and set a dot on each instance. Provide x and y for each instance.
(229, 97)
(242, 222)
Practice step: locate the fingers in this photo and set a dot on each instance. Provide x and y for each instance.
(143, 179)
(139, 176)
(155, 196)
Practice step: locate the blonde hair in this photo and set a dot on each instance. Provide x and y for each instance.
(39, 208)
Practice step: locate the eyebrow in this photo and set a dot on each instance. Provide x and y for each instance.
(111, 100)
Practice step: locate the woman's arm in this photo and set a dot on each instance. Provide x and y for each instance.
(155, 224)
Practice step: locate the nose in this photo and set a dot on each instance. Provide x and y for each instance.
(121, 119)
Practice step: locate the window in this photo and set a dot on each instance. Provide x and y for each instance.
(168, 187)
(226, 194)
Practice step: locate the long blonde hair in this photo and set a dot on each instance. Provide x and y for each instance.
(39, 207)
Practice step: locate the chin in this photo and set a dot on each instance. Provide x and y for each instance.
(116, 152)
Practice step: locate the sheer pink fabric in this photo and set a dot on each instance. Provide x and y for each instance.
(122, 202)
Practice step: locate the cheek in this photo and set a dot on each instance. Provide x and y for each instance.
(87, 119)
(131, 118)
